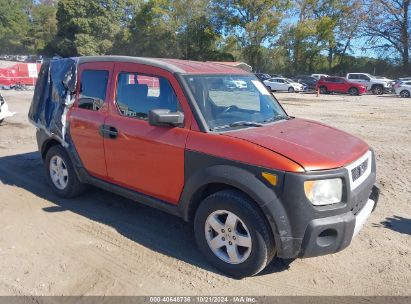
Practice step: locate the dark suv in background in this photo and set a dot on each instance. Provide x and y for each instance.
(310, 81)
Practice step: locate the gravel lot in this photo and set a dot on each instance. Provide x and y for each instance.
(102, 244)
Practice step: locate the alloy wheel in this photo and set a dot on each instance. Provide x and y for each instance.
(58, 172)
(405, 94)
(228, 237)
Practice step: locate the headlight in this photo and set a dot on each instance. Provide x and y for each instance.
(324, 191)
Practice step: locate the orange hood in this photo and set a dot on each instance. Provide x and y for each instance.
(312, 145)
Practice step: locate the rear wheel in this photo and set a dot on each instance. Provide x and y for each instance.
(61, 174)
(323, 90)
(232, 234)
(377, 90)
(403, 93)
(353, 91)
(291, 90)
(1, 121)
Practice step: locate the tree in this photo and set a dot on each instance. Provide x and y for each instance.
(43, 25)
(150, 32)
(321, 27)
(14, 26)
(171, 28)
(87, 27)
(254, 23)
(388, 28)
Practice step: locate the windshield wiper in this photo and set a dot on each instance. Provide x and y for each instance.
(276, 118)
(238, 124)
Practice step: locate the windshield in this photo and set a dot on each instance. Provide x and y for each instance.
(231, 101)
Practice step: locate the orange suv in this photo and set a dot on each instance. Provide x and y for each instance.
(183, 137)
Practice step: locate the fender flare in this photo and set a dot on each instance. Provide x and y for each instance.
(245, 181)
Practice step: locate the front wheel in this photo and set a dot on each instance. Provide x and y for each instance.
(404, 94)
(61, 174)
(323, 90)
(377, 90)
(291, 90)
(353, 91)
(232, 234)
(1, 121)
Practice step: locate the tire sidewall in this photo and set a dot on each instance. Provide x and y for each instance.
(58, 150)
(353, 91)
(375, 88)
(259, 251)
(323, 90)
(406, 92)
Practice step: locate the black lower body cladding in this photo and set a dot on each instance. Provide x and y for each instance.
(299, 228)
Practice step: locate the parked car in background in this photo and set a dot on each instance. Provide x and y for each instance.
(398, 81)
(263, 76)
(236, 84)
(318, 76)
(4, 110)
(308, 80)
(340, 85)
(284, 84)
(375, 85)
(403, 89)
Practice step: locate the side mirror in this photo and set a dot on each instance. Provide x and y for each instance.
(165, 118)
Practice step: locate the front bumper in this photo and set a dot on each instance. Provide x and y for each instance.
(332, 234)
(319, 230)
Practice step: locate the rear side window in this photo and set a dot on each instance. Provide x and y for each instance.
(93, 86)
(353, 76)
(137, 94)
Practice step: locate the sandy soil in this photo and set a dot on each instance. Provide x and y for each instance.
(103, 244)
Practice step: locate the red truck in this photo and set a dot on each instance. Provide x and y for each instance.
(340, 85)
(174, 135)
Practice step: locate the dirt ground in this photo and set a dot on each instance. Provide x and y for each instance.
(103, 244)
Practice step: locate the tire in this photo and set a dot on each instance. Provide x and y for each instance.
(377, 90)
(68, 185)
(353, 91)
(291, 90)
(403, 93)
(323, 90)
(259, 249)
(1, 121)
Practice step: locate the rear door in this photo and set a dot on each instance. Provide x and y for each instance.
(339, 85)
(330, 83)
(88, 114)
(145, 158)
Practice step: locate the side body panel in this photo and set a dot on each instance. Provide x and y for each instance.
(144, 158)
(85, 124)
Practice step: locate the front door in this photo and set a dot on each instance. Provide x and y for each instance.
(88, 114)
(148, 159)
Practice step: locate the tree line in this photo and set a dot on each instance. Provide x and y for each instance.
(276, 36)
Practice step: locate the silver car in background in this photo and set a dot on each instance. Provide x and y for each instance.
(403, 89)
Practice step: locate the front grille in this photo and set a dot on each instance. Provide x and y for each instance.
(359, 170)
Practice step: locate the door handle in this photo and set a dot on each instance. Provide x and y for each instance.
(108, 131)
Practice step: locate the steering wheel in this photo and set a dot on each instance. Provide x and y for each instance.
(228, 109)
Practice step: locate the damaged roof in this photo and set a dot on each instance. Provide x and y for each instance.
(171, 65)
